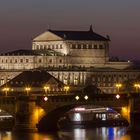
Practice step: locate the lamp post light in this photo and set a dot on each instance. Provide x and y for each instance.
(77, 97)
(6, 90)
(118, 87)
(118, 96)
(45, 98)
(46, 88)
(86, 97)
(137, 86)
(66, 88)
(27, 89)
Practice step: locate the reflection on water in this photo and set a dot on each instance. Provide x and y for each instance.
(103, 133)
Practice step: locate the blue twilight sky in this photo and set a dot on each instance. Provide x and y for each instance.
(21, 20)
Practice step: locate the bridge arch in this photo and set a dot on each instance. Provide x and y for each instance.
(29, 107)
(50, 120)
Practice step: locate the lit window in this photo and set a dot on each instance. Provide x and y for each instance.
(96, 116)
(75, 81)
(65, 81)
(2, 81)
(77, 117)
(103, 117)
(38, 47)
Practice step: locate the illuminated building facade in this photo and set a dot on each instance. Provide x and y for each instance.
(76, 58)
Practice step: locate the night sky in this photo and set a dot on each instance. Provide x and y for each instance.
(22, 20)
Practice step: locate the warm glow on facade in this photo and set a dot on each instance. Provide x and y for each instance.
(66, 88)
(137, 85)
(27, 89)
(118, 85)
(38, 113)
(125, 112)
(6, 89)
(46, 88)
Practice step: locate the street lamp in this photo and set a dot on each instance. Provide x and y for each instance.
(86, 97)
(137, 86)
(46, 88)
(118, 87)
(27, 89)
(6, 90)
(45, 98)
(77, 97)
(118, 96)
(66, 88)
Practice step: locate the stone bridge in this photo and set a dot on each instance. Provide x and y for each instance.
(56, 106)
(33, 113)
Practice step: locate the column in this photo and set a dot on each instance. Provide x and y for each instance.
(25, 114)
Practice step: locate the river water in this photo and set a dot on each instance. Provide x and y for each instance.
(102, 133)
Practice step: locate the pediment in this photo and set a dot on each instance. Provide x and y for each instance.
(47, 36)
(52, 81)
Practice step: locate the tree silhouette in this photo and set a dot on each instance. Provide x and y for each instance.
(128, 85)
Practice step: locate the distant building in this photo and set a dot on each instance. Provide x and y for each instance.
(77, 58)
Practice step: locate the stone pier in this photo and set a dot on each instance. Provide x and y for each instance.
(25, 117)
